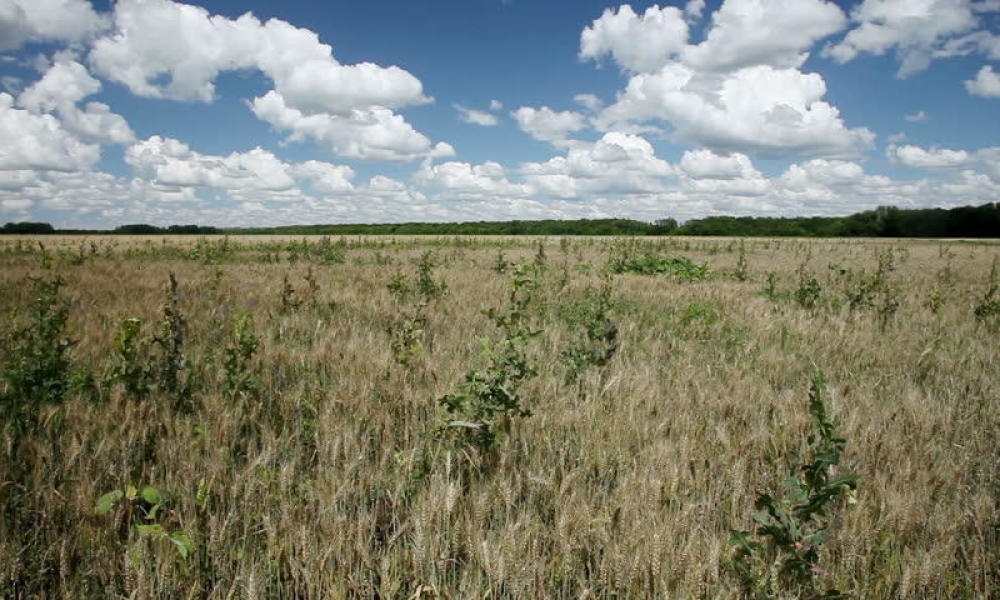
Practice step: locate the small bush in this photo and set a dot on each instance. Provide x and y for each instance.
(680, 268)
(780, 557)
(37, 368)
(480, 412)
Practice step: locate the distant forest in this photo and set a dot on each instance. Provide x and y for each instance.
(966, 221)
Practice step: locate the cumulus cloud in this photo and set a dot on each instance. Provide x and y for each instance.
(63, 86)
(638, 43)
(917, 30)
(39, 141)
(986, 83)
(589, 101)
(170, 163)
(47, 21)
(739, 90)
(475, 117)
(364, 133)
(934, 158)
(764, 32)
(760, 110)
(547, 125)
(705, 164)
(326, 178)
(464, 181)
(163, 49)
(917, 117)
(694, 9)
(617, 163)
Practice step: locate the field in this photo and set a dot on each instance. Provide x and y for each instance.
(477, 417)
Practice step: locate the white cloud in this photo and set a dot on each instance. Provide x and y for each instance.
(617, 163)
(764, 32)
(18, 205)
(734, 174)
(705, 164)
(935, 158)
(757, 110)
(915, 29)
(326, 178)
(39, 141)
(66, 83)
(547, 125)
(155, 40)
(170, 163)
(496, 105)
(475, 117)
(917, 117)
(641, 44)
(589, 101)
(366, 133)
(163, 49)
(694, 9)
(47, 20)
(986, 84)
(459, 180)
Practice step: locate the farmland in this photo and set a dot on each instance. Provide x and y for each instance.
(472, 417)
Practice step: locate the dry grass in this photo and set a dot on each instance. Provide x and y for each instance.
(330, 483)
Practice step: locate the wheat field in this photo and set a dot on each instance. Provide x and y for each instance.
(300, 447)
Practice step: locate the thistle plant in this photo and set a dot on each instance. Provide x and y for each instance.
(143, 513)
(289, 299)
(171, 370)
(428, 287)
(240, 380)
(807, 294)
(596, 340)
(481, 411)
(780, 558)
(130, 366)
(742, 272)
(988, 309)
(36, 369)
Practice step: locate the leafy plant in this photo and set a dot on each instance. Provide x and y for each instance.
(129, 364)
(988, 309)
(771, 289)
(866, 291)
(143, 510)
(780, 557)
(807, 294)
(680, 268)
(240, 379)
(171, 372)
(596, 338)
(37, 369)
(742, 272)
(407, 341)
(487, 400)
(289, 299)
(427, 286)
(501, 264)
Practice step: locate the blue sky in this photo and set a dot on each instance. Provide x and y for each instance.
(260, 113)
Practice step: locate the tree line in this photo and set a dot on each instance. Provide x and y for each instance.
(885, 221)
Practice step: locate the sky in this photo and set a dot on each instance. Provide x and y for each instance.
(259, 113)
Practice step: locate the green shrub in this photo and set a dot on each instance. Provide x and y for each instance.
(680, 267)
(480, 412)
(240, 379)
(780, 557)
(596, 337)
(36, 369)
(129, 362)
